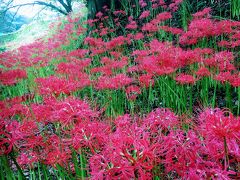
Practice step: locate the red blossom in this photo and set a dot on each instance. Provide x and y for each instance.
(215, 124)
(55, 86)
(223, 76)
(144, 14)
(132, 92)
(201, 72)
(185, 79)
(11, 77)
(116, 82)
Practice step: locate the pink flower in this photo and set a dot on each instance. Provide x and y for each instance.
(116, 82)
(223, 76)
(132, 25)
(11, 77)
(132, 92)
(204, 12)
(53, 85)
(216, 123)
(185, 79)
(201, 72)
(146, 80)
(144, 14)
(234, 80)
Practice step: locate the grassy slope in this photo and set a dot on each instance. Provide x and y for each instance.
(27, 34)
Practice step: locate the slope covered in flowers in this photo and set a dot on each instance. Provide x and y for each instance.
(134, 96)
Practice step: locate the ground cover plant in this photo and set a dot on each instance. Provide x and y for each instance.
(144, 92)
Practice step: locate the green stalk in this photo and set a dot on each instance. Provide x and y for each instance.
(238, 103)
(18, 167)
(214, 94)
(150, 98)
(83, 172)
(46, 174)
(190, 98)
(6, 168)
(226, 153)
(75, 162)
(132, 107)
(39, 172)
(185, 15)
(228, 96)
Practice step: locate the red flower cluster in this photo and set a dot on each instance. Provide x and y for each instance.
(11, 77)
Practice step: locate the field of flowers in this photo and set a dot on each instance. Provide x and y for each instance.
(141, 93)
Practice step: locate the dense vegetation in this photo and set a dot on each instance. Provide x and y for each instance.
(149, 91)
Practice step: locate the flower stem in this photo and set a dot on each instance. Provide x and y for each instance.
(226, 153)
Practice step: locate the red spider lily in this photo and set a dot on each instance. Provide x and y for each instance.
(149, 27)
(56, 151)
(104, 31)
(223, 76)
(99, 169)
(122, 162)
(142, 3)
(55, 86)
(225, 43)
(183, 152)
(185, 79)
(27, 158)
(67, 112)
(115, 42)
(208, 170)
(6, 143)
(13, 128)
(116, 82)
(93, 41)
(144, 14)
(92, 135)
(133, 69)
(28, 128)
(204, 12)
(135, 147)
(15, 109)
(157, 65)
(110, 65)
(19, 135)
(224, 60)
(235, 80)
(163, 17)
(141, 53)
(72, 68)
(215, 124)
(132, 92)
(174, 6)
(203, 51)
(146, 80)
(80, 53)
(155, 5)
(99, 15)
(197, 28)
(32, 142)
(160, 120)
(220, 132)
(138, 36)
(119, 12)
(201, 72)
(132, 25)
(12, 77)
